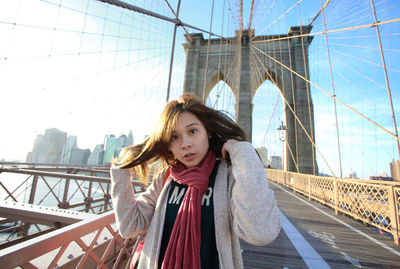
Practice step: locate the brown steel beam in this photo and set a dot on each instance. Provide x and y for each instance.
(63, 175)
(40, 214)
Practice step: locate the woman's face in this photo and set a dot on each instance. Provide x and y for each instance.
(189, 141)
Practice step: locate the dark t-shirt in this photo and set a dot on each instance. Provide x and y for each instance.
(208, 249)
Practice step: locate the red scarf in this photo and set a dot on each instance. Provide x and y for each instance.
(183, 249)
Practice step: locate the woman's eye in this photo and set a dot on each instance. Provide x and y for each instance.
(174, 137)
(193, 131)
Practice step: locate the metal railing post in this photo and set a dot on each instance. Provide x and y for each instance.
(107, 198)
(292, 181)
(64, 204)
(284, 176)
(89, 198)
(33, 189)
(26, 226)
(394, 214)
(335, 193)
(309, 188)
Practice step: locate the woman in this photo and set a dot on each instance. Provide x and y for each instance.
(210, 191)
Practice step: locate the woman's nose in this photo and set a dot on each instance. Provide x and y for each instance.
(186, 142)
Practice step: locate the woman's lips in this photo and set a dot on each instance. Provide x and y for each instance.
(189, 156)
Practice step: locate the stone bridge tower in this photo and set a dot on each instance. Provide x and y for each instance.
(238, 52)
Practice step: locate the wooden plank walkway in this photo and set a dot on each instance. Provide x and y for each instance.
(312, 236)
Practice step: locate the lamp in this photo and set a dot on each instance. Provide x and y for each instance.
(282, 132)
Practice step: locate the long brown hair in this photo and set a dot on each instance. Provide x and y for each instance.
(154, 149)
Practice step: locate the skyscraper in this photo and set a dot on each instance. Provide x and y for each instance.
(48, 147)
(96, 157)
(263, 154)
(110, 146)
(69, 145)
(113, 146)
(79, 156)
(130, 138)
(275, 162)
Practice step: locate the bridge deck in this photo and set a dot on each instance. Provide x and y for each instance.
(312, 236)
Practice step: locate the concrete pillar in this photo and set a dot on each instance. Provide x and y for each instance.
(192, 72)
(301, 102)
(244, 106)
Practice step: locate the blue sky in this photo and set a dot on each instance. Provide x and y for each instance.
(90, 69)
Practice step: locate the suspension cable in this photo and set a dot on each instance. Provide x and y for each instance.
(266, 13)
(386, 76)
(172, 51)
(319, 12)
(241, 16)
(333, 91)
(331, 31)
(291, 155)
(153, 14)
(251, 13)
(297, 119)
(176, 16)
(270, 120)
(215, 106)
(282, 15)
(230, 11)
(208, 53)
(340, 101)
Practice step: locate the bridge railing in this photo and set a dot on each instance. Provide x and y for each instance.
(375, 203)
(91, 243)
(72, 188)
(96, 242)
(84, 189)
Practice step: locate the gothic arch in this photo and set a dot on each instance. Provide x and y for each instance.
(215, 77)
(294, 90)
(270, 76)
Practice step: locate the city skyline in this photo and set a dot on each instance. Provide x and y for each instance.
(269, 160)
(59, 147)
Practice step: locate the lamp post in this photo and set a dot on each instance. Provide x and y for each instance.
(283, 138)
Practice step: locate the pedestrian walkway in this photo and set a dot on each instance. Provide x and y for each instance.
(312, 236)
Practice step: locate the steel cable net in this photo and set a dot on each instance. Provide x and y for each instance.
(92, 69)
(346, 67)
(110, 64)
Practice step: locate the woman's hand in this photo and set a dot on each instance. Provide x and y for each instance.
(227, 147)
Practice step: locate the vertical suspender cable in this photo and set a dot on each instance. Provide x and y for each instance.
(172, 52)
(178, 21)
(208, 52)
(333, 91)
(386, 76)
(251, 13)
(219, 58)
(241, 16)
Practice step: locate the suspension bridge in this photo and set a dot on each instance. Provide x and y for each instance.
(313, 83)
